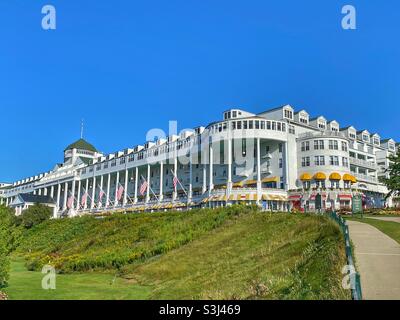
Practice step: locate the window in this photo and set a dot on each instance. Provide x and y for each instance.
(334, 160)
(292, 129)
(122, 160)
(305, 161)
(244, 147)
(280, 163)
(365, 137)
(304, 120)
(269, 125)
(333, 145)
(319, 144)
(344, 146)
(319, 160)
(233, 114)
(345, 162)
(262, 125)
(280, 148)
(250, 124)
(244, 124)
(257, 124)
(305, 146)
(288, 114)
(239, 125)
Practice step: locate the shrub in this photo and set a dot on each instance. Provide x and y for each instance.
(34, 215)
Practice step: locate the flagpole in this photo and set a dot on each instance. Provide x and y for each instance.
(180, 184)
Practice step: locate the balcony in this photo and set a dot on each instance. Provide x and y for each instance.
(365, 178)
(322, 134)
(364, 163)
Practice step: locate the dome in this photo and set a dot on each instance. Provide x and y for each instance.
(82, 145)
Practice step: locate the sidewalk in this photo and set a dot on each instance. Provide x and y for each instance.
(378, 261)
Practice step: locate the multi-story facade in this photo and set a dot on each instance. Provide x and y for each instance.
(279, 159)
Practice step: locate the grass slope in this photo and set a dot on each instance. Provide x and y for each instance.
(257, 256)
(209, 255)
(87, 243)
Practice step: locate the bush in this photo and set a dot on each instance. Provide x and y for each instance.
(34, 215)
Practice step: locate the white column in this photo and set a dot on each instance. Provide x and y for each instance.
(190, 176)
(52, 191)
(93, 193)
(65, 196)
(204, 178)
(229, 183)
(87, 194)
(108, 191)
(161, 181)
(148, 186)
(175, 193)
(116, 190)
(101, 188)
(58, 197)
(126, 187)
(73, 192)
(211, 186)
(259, 191)
(40, 192)
(45, 191)
(78, 199)
(136, 183)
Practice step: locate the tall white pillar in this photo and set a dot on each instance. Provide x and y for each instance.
(116, 190)
(259, 191)
(190, 192)
(58, 197)
(93, 193)
(108, 191)
(229, 182)
(40, 192)
(101, 189)
(78, 199)
(148, 186)
(65, 196)
(87, 194)
(52, 191)
(73, 192)
(126, 187)
(161, 181)
(175, 193)
(45, 191)
(204, 178)
(211, 185)
(136, 184)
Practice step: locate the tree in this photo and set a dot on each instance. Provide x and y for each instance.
(34, 215)
(6, 228)
(393, 182)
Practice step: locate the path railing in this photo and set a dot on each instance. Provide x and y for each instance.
(354, 276)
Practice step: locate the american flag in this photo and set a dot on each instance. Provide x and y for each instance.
(120, 192)
(70, 202)
(175, 181)
(101, 194)
(84, 199)
(143, 187)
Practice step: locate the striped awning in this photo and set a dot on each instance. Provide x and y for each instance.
(295, 197)
(345, 196)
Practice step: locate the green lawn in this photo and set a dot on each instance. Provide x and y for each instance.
(390, 228)
(26, 285)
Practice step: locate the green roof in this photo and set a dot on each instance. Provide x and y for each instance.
(81, 144)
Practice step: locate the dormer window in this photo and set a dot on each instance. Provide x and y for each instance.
(322, 125)
(391, 146)
(365, 137)
(288, 114)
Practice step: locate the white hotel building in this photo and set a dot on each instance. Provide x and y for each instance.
(280, 159)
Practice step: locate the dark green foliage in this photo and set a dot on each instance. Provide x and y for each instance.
(393, 182)
(34, 215)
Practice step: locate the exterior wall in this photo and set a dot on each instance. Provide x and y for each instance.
(258, 157)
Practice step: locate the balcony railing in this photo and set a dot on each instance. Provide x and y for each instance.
(364, 163)
(363, 177)
(306, 135)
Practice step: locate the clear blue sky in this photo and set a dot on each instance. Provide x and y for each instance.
(129, 66)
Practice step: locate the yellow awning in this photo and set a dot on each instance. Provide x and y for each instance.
(238, 184)
(270, 179)
(305, 177)
(248, 182)
(320, 176)
(232, 197)
(349, 177)
(247, 196)
(335, 176)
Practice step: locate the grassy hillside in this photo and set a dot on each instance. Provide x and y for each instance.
(88, 243)
(220, 254)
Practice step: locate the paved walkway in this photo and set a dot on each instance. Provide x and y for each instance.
(377, 260)
(394, 219)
